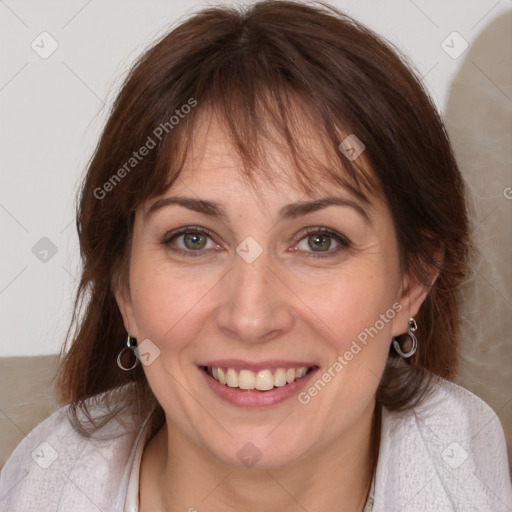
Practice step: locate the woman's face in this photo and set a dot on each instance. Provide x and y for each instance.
(259, 286)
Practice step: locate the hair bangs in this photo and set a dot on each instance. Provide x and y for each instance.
(264, 115)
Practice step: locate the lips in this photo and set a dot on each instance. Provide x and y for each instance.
(256, 384)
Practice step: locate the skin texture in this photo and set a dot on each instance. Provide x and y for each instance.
(286, 305)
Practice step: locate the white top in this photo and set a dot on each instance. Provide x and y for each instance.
(448, 454)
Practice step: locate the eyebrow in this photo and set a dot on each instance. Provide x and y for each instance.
(290, 211)
(294, 210)
(198, 205)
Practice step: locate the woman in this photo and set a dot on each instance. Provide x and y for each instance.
(273, 232)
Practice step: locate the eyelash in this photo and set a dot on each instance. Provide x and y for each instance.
(344, 243)
(188, 230)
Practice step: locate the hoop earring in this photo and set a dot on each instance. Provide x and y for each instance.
(130, 344)
(413, 327)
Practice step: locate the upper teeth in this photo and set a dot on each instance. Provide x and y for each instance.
(263, 380)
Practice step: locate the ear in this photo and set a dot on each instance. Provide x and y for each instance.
(121, 291)
(413, 292)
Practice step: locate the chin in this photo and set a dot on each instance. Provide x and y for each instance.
(261, 452)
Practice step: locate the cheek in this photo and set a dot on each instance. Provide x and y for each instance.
(355, 319)
(351, 302)
(353, 313)
(167, 301)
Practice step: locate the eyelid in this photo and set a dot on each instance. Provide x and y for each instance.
(324, 230)
(171, 235)
(184, 230)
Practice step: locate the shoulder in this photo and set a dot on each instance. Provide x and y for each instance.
(57, 467)
(454, 412)
(462, 424)
(448, 453)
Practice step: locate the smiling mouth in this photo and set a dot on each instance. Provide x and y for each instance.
(263, 380)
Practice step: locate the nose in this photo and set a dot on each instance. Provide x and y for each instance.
(256, 305)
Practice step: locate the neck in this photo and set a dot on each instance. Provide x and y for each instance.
(179, 475)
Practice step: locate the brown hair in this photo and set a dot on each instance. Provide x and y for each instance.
(253, 67)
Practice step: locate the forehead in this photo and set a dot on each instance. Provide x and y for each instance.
(216, 178)
(303, 165)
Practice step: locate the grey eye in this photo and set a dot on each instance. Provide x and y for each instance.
(320, 242)
(195, 241)
(316, 242)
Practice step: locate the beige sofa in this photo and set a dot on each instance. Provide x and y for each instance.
(26, 397)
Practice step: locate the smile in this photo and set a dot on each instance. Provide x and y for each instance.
(263, 380)
(254, 385)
